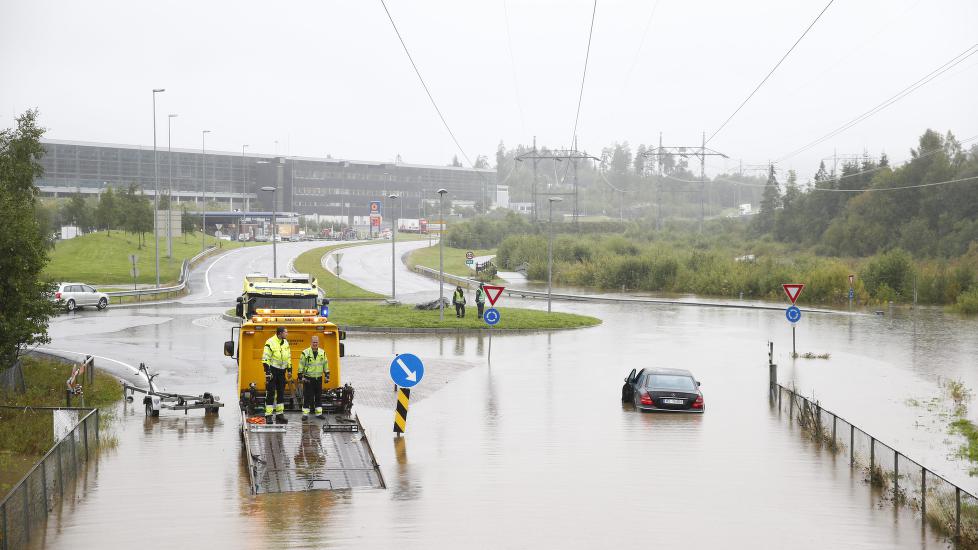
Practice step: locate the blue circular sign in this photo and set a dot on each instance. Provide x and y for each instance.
(793, 314)
(852, 294)
(407, 370)
(491, 316)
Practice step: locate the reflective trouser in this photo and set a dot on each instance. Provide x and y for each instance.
(482, 306)
(312, 395)
(275, 392)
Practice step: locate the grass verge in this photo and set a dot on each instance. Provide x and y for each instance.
(101, 259)
(373, 314)
(26, 435)
(335, 287)
(454, 259)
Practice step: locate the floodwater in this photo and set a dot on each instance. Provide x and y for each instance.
(535, 450)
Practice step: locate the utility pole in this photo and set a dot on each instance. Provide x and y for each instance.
(556, 155)
(700, 151)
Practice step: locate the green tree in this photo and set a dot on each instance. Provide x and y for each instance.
(770, 202)
(78, 212)
(107, 211)
(25, 304)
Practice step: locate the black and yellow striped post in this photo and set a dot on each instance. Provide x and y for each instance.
(401, 410)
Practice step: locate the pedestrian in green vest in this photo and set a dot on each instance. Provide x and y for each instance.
(458, 298)
(480, 299)
(313, 365)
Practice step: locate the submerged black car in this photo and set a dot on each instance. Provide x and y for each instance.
(669, 390)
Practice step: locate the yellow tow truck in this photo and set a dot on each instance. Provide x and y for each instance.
(301, 455)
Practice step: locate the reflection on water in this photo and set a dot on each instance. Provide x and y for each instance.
(538, 451)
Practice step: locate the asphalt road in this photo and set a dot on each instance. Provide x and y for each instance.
(369, 267)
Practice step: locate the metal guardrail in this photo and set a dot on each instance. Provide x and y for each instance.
(521, 293)
(49, 481)
(179, 287)
(944, 506)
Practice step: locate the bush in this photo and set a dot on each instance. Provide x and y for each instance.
(967, 302)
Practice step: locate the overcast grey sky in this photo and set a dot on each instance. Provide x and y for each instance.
(330, 77)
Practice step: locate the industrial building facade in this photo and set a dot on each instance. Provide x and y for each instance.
(335, 189)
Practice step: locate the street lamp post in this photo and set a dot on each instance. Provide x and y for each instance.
(393, 198)
(169, 186)
(244, 180)
(441, 254)
(203, 189)
(550, 249)
(156, 191)
(272, 190)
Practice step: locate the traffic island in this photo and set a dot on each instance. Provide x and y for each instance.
(380, 317)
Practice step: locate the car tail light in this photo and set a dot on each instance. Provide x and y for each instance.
(698, 404)
(644, 398)
(57, 295)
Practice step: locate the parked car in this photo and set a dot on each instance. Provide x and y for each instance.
(225, 237)
(75, 295)
(244, 237)
(670, 390)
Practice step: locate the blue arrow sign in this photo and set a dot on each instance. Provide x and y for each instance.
(407, 370)
(793, 314)
(852, 294)
(491, 316)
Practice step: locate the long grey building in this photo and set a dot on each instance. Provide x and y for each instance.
(337, 189)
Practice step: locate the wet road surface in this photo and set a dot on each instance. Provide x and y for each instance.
(535, 450)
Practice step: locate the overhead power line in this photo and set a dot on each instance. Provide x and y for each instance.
(587, 55)
(778, 64)
(425, 86)
(950, 64)
(875, 189)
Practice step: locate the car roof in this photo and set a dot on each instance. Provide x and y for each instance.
(679, 372)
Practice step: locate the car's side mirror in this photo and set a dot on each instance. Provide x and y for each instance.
(342, 350)
(229, 348)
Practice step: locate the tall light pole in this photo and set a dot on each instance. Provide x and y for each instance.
(272, 190)
(169, 186)
(203, 189)
(441, 254)
(156, 191)
(244, 178)
(393, 253)
(550, 248)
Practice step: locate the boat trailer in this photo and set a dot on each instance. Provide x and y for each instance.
(156, 400)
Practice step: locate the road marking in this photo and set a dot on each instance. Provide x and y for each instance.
(207, 274)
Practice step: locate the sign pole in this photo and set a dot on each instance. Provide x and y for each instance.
(489, 355)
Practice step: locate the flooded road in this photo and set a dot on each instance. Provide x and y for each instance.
(535, 450)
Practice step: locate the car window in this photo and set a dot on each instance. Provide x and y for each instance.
(671, 382)
(74, 288)
(88, 288)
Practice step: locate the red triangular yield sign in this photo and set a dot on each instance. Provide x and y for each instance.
(792, 290)
(493, 293)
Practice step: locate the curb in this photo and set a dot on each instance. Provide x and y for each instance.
(409, 330)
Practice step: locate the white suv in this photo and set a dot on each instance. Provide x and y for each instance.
(76, 295)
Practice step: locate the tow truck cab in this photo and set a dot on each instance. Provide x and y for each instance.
(290, 291)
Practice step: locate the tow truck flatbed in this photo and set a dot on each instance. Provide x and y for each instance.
(308, 455)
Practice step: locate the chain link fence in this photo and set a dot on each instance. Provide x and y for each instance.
(941, 505)
(51, 480)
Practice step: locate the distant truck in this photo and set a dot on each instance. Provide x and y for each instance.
(412, 225)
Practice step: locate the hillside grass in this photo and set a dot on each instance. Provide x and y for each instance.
(378, 314)
(454, 259)
(102, 260)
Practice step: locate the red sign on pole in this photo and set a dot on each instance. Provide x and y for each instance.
(792, 290)
(493, 293)
(851, 279)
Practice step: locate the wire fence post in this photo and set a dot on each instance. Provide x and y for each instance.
(896, 476)
(923, 496)
(5, 537)
(61, 475)
(852, 446)
(957, 514)
(834, 419)
(85, 430)
(872, 456)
